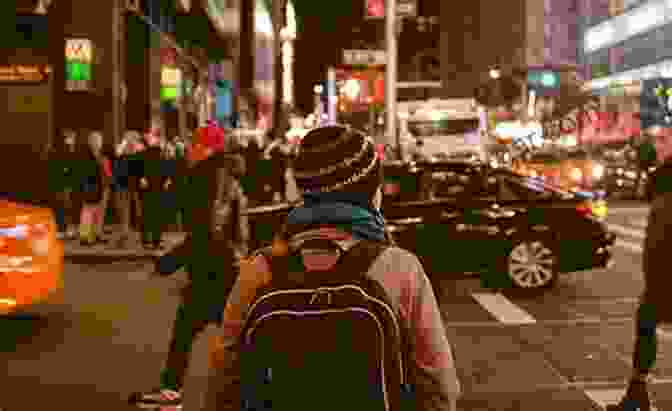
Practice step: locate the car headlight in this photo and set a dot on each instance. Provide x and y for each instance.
(631, 174)
(598, 171)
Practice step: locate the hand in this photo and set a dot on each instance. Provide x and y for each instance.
(144, 183)
(216, 351)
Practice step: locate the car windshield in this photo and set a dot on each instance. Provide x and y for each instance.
(442, 128)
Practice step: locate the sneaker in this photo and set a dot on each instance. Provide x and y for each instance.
(637, 398)
(158, 398)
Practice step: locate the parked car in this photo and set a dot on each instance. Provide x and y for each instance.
(491, 221)
(31, 257)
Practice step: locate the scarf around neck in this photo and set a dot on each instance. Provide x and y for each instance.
(348, 212)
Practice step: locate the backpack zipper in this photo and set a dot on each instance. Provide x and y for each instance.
(397, 327)
(331, 311)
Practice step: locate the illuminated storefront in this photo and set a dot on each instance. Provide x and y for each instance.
(264, 66)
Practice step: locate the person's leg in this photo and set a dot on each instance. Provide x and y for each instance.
(637, 396)
(185, 330)
(146, 220)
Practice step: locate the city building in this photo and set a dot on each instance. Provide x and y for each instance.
(511, 36)
(624, 43)
(112, 65)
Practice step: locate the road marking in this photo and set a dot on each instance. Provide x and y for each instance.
(567, 322)
(605, 397)
(626, 231)
(629, 210)
(635, 248)
(503, 309)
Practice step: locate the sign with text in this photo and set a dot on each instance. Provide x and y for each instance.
(364, 57)
(79, 50)
(17, 73)
(375, 9)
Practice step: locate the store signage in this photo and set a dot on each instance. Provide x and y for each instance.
(375, 9)
(170, 77)
(646, 17)
(17, 73)
(79, 49)
(364, 57)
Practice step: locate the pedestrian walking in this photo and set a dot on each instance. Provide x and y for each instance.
(94, 190)
(63, 174)
(309, 300)
(217, 237)
(152, 185)
(654, 306)
(122, 188)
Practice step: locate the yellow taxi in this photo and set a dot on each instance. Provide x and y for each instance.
(31, 257)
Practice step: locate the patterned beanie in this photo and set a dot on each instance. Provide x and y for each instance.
(337, 159)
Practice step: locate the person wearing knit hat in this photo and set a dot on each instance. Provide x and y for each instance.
(340, 175)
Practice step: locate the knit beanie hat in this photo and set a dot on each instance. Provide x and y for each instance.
(336, 159)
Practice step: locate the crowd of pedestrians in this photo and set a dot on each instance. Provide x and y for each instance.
(105, 194)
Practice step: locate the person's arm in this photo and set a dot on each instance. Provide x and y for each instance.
(436, 381)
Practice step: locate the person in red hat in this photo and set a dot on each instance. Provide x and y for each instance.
(217, 237)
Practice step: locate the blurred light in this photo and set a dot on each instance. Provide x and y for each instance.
(495, 73)
(352, 88)
(318, 89)
(598, 171)
(576, 174)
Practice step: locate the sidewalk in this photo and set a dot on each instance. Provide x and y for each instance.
(102, 253)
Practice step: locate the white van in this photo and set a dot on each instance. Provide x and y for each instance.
(447, 127)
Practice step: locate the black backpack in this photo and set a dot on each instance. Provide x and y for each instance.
(329, 340)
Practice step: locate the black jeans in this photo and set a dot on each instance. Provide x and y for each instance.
(154, 217)
(646, 344)
(203, 302)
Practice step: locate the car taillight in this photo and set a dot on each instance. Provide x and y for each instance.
(391, 189)
(585, 210)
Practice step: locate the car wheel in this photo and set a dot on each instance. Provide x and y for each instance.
(532, 264)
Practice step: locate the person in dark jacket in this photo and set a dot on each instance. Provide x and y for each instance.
(250, 181)
(63, 173)
(654, 307)
(217, 238)
(153, 185)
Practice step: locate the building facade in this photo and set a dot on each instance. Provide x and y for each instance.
(627, 44)
(113, 65)
(515, 35)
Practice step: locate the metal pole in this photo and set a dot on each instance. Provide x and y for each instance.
(331, 88)
(391, 72)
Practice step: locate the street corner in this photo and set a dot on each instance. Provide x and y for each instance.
(579, 353)
(494, 360)
(556, 399)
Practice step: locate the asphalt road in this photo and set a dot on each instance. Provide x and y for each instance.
(568, 349)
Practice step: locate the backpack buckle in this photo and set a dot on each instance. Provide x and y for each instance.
(320, 291)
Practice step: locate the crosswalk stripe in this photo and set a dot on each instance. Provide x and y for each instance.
(605, 397)
(619, 229)
(635, 248)
(503, 309)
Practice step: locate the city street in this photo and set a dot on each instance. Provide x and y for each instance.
(569, 349)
